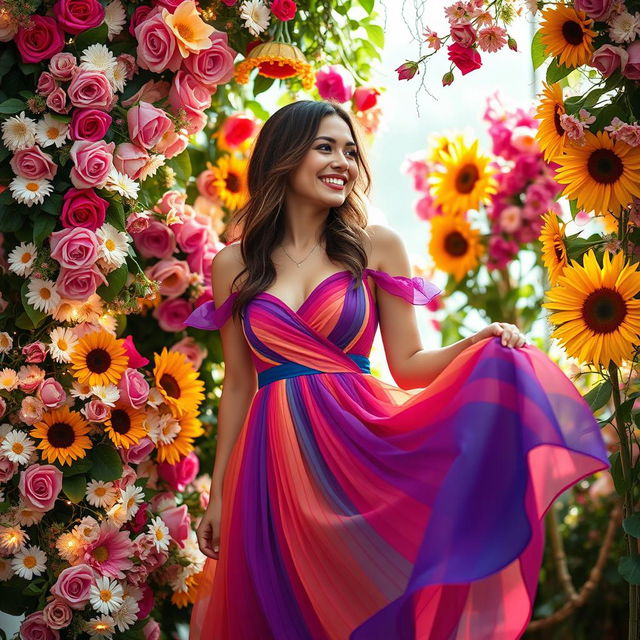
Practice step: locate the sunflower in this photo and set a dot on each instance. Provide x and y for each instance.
(566, 35)
(178, 382)
(554, 250)
(276, 60)
(602, 174)
(454, 245)
(550, 135)
(63, 435)
(597, 319)
(125, 426)
(439, 143)
(230, 180)
(99, 359)
(182, 444)
(465, 179)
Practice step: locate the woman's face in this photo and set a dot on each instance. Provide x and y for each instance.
(329, 169)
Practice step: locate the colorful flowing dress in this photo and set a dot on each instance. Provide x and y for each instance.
(354, 509)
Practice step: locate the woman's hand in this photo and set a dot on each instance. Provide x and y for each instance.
(208, 530)
(510, 335)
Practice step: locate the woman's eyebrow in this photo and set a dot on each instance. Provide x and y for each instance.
(348, 144)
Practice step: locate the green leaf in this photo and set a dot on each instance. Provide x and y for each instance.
(75, 487)
(12, 601)
(599, 396)
(96, 35)
(631, 525)
(616, 473)
(557, 71)
(11, 106)
(33, 589)
(28, 68)
(261, 84)
(34, 315)
(629, 569)
(115, 215)
(42, 228)
(79, 466)
(538, 51)
(181, 164)
(115, 281)
(52, 204)
(376, 34)
(7, 61)
(9, 221)
(367, 5)
(107, 465)
(23, 321)
(258, 110)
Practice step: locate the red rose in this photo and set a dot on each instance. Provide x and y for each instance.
(284, 9)
(77, 16)
(41, 40)
(464, 58)
(83, 208)
(365, 98)
(138, 16)
(89, 124)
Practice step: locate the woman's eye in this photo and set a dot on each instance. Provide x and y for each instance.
(325, 147)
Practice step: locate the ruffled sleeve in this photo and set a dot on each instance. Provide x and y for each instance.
(416, 290)
(206, 316)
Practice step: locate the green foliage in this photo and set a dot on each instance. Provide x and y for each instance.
(629, 568)
(599, 396)
(106, 462)
(36, 317)
(556, 72)
(75, 487)
(631, 525)
(115, 282)
(12, 106)
(97, 35)
(538, 52)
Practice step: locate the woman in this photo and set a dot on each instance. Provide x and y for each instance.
(343, 506)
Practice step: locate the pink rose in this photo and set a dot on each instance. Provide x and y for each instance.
(32, 163)
(46, 83)
(171, 144)
(157, 47)
(74, 248)
(364, 98)
(51, 393)
(200, 261)
(57, 614)
(130, 66)
(463, 33)
(40, 485)
(79, 284)
(193, 351)
(77, 16)
(57, 101)
(134, 389)
(7, 469)
(157, 241)
(35, 352)
(334, 82)
(596, 9)
(146, 602)
(178, 522)
(89, 124)
(196, 122)
(138, 452)
(74, 585)
(179, 475)
(138, 16)
(92, 163)
(63, 66)
(214, 65)
(130, 159)
(150, 91)
(83, 208)
(151, 630)
(172, 313)
(34, 627)
(631, 68)
(136, 361)
(607, 58)
(192, 236)
(30, 377)
(172, 274)
(90, 89)
(40, 40)
(137, 222)
(147, 124)
(96, 411)
(466, 59)
(188, 94)
(171, 201)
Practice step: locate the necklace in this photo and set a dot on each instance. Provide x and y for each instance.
(301, 261)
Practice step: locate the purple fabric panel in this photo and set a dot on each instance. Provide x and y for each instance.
(416, 290)
(206, 316)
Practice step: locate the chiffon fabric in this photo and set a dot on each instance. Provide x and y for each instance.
(354, 509)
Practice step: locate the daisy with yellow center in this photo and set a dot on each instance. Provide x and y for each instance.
(42, 295)
(30, 191)
(101, 494)
(465, 180)
(181, 443)
(27, 516)
(8, 379)
(566, 34)
(99, 359)
(276, 60)
(17, 447)
(596, 316)
(50, 131)
(159, 533)
(125, 426)
(454, 245)
(550, 135)
(105, 595)
(22, 257)
(29, 562)
(191, 32)
(602, 174)
(554, 251)
(131, 498)
(230, 179)
(178, 382)
(63, 436)
(62, 344)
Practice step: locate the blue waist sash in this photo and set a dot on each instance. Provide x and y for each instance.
(291, 369)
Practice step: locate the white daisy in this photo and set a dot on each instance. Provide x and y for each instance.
(130, 499)
(117, 514)
(29, 191)
(160, 534)
(29, 562)
(50, 131)
(12, 538)
(118, 76)
(179, 581)
(22, 257)
(98, 57)
(80, 391)
(115, 18)
(149, 170)
(100, 627)
(42, 295)
(6, 342)
(27, 516)
(8, 379)
(122, 184)
(105, 595)
(63, 341)
(18, 132)
(256, 16)
(625, 27)
(113, 245)
(127, 614)
(87, 530)
(107, 394)
(6, 571)
(17, 446)
(101, 494)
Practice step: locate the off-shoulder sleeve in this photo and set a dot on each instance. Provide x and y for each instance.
(416, 290)
(206, 316)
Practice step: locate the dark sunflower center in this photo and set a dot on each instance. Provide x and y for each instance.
(170, 385)
(233, 183)
(120, 421)
(604, 310)
(467, 178)
(605, 166)
(98, 360)
(557, 112)
(61, 435)
(572, 32)
(456, 244)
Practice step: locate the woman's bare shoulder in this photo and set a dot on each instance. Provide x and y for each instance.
(383, 239)
(227, 264)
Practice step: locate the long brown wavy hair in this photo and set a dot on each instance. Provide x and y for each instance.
(278, 150)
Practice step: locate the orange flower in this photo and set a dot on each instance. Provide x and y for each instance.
(192, 33)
